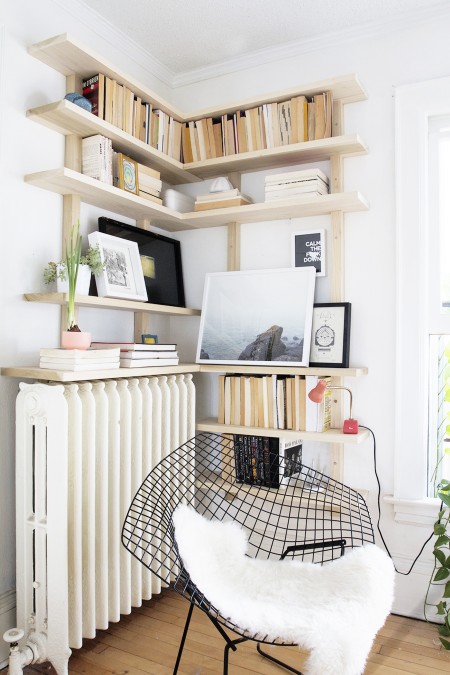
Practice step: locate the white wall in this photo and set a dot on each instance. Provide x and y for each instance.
(31, 224)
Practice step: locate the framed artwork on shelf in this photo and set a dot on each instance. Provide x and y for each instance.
(257, 317)
(148, 339)
(309, 250)
(330, 338)
(160, 260)
(123, 276)
(128, 173)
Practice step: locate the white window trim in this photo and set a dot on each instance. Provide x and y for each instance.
(414, 105)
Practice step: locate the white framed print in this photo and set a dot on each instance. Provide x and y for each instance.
(257, 317)
(123, 276)
(309, 250)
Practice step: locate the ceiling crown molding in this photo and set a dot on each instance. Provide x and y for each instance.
(362, 32)
(110, 33)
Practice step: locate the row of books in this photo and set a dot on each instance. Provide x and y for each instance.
(100, 161)
(293, 184)
(117, 104)
(220, 200)
(141, 355)
(269, 462)
(273, 401)
(269, 125)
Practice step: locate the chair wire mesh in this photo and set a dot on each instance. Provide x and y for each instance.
(308, 516)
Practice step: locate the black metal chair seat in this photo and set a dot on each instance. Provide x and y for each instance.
(299, 514)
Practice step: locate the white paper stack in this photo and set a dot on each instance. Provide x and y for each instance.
(295, 184)
(140, 355)
(79, 360)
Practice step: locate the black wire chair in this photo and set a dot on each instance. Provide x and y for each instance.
(287, 510)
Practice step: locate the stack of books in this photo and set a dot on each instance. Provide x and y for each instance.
(294, 184)
(221, 200)
(271, 462)
(78, 360)
(150, 184)
(139, 355)
(97, 158)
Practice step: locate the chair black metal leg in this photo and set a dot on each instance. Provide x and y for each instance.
(183, 639)
(232, 644)
(277, 661)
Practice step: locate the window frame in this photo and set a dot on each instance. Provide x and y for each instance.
(415, 105)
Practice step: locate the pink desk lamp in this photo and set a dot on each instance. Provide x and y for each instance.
(317, 394)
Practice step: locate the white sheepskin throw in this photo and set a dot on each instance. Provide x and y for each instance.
(334, 610)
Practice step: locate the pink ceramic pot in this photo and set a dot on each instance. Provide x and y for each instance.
(75, 339)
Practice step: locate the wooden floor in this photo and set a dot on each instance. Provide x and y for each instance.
(147, 642)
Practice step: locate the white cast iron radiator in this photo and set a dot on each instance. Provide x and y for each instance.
(82, 452)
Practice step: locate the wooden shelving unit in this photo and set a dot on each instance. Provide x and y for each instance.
(76, 61)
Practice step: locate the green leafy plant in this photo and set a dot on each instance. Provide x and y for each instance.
(440, 577)
(92, 258)
(72, 261)
(441, 571)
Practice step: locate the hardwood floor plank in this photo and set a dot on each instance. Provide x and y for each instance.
(146, 642)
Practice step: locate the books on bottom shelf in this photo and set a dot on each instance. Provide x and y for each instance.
(272, 401)
(78, 360)
(264, 461)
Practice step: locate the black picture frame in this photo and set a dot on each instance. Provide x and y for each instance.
(330, 336)
(165, 286)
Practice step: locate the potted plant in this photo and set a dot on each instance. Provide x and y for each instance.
(73, 337)
(90, 263)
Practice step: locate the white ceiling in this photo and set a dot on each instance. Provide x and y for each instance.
(185, 35)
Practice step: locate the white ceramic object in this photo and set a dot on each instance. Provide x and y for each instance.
(83, 282)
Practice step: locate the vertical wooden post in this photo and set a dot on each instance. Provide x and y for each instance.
(337, 284)
(142, 319)
(234, 247)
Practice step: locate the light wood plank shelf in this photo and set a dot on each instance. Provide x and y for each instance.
(331, 436)
(297, 153)
(48, 375)
(68, 118)
(283, 370)
(65, 181)
(70, 57)
(112, 303)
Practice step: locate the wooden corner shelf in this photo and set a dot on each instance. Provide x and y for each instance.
(331, 436)
(282, 370)
(66, 181)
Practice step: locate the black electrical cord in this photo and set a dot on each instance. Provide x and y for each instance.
(379, 510)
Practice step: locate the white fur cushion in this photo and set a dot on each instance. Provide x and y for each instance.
(334, 610)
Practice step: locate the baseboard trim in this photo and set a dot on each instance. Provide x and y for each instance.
(7, 621)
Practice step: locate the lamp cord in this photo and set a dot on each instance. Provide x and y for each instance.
(379, 511)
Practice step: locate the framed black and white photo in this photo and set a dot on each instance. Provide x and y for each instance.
(330, 337)
(257, 317)
(309, 250)
(160, 258)
(123, 276)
